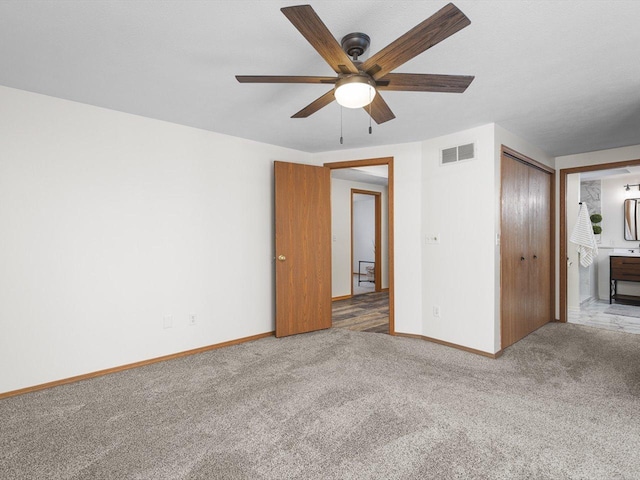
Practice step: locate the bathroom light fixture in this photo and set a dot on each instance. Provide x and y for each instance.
(355, 91)
(629, 192)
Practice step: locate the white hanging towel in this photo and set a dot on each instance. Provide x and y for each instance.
(582, 236)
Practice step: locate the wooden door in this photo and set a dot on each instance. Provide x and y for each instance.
(526, 251)
(539, 248)
(303, 248)
(514, 261)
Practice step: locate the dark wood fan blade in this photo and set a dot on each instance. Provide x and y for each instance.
(433, 30)
(380, 111)
(283, 79)
(316, 105)
(308, 23)
(415, 82)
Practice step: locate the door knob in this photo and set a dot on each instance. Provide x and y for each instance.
(282, 258)
(522, 259)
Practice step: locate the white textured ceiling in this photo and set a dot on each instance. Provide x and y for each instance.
(564, 75)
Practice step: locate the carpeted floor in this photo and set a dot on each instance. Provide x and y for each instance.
(562, 403)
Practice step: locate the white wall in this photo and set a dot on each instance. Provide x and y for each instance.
(341, 271)
(407, 244)
(112, 221)
(364, 230)
(458, 273)
(598, 157)
(613, 197)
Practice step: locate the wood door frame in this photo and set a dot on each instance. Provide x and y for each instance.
(388, 161)
(504, 150)
(377, 235)
(563, 222)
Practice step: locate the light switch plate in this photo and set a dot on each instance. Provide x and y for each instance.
(432, 238)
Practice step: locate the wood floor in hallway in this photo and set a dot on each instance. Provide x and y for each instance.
(368, 312)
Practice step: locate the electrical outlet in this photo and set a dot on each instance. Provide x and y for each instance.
(167, 321)
(192, 319)
(436, 311)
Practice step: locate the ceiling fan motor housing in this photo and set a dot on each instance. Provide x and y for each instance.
(355, 44)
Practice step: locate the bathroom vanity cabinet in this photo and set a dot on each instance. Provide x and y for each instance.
(627, 269)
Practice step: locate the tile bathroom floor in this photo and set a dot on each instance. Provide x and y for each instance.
(621, 318)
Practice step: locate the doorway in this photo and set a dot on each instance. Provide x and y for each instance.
(586, 290)
(371, 311)
(366, 236)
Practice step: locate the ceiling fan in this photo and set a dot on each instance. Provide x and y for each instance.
(358, 84)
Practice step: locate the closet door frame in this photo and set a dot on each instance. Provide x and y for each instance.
(509, 152)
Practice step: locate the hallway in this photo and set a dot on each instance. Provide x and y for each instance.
(363, 313)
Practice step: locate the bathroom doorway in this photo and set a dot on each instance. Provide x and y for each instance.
(586, 288)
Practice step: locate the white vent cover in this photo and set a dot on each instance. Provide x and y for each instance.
(457, 154)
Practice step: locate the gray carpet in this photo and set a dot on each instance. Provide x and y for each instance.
(562, 403)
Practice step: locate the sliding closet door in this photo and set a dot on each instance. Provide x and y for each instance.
(514, 284)
(525, 252)
(539, 248)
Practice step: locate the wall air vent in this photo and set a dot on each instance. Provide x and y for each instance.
(457, 154)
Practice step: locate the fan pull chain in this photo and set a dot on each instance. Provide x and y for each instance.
(370, 102)
(341, 140)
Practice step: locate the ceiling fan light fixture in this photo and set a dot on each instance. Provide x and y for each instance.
(355, 91)
(355, 85)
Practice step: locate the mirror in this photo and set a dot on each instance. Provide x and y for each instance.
(631, 218)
